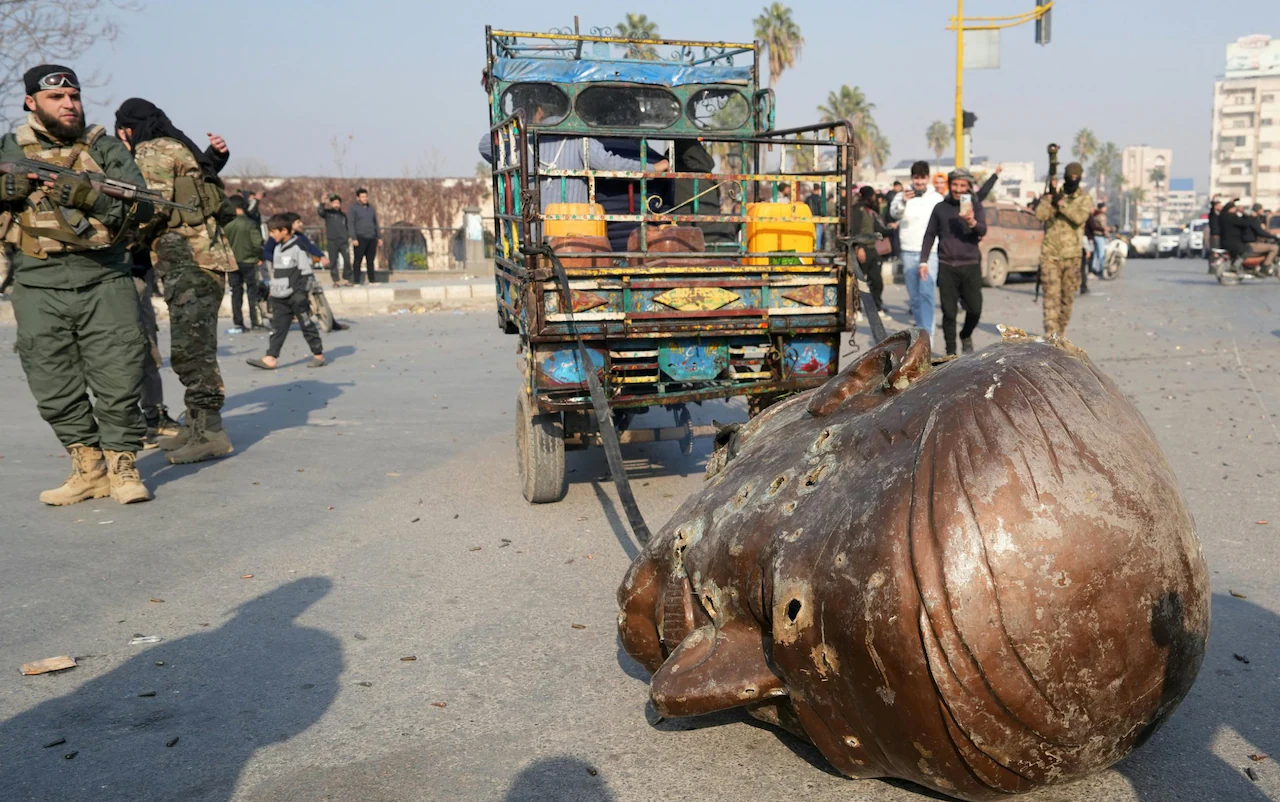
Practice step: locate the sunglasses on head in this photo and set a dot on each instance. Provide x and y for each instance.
(58, 80)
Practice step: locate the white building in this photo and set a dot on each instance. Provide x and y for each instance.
(1136, 165)
(1245, 151)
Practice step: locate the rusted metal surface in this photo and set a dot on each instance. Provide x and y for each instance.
(979, 577)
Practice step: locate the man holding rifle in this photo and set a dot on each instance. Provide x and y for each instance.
(74, 297)
(1064, 211)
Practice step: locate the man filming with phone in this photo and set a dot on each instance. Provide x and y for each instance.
(1065, 211)
(958, 224)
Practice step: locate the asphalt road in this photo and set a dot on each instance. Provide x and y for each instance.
(371, 514)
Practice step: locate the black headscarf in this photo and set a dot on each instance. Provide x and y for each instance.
(148, 122)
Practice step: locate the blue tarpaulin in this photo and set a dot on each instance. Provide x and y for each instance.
(659, 73)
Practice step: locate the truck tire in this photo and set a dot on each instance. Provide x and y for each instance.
(539, 452)
(997, 271)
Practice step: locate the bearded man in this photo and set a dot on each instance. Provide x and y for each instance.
(73, 296)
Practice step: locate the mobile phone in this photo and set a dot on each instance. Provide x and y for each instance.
(966, 204)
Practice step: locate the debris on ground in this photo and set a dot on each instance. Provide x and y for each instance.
(246, 576)
(139, 640)
(1251, 774)
(578, 626)
(48, 664)
(1241, 658)
(409, 658)
(365, 684)
(171, 742)
(1259, 756)
(56, 742)
(1238, 595)
(439, 704)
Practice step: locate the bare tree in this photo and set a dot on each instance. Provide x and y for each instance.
(250, 169)
(340, 148)
(35, 31)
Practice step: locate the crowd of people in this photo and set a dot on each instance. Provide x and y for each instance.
(935, 226)
(87, 257)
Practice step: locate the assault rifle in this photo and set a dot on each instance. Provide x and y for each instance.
(1050, 188)
(111, 187)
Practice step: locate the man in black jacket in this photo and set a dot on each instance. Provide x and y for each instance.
(366, 236)
(958, 224)
(338, 233)
(1215, 229)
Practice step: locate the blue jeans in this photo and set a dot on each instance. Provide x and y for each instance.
(921, 295)
(1099, 255)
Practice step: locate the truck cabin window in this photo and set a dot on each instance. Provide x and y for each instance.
(628, 107)
(718, 109)
(542, 104)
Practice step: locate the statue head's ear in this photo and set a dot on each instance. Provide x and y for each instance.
(884, 371)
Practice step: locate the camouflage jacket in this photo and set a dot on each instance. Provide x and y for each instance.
(161, 161)
(1065, 224)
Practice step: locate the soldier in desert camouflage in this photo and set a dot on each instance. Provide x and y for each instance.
(192, 258)
(1065, 213)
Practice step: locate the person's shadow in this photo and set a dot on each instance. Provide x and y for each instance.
(249, 417)
(562, 778)
(180, 719)
(1181, 761)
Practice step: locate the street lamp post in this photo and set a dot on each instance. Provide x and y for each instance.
(959, 24)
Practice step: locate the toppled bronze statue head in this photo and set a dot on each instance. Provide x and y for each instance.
(978, 576)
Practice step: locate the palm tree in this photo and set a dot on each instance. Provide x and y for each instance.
(1157, 176)
(1085, 146)
(939, 137)
(780, 36)
(850, 104)
(878, 150)
(640, 27)
(1107, 169)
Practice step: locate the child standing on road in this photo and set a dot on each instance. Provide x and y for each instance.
(290, 272)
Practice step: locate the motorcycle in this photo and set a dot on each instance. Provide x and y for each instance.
(1232, 271)
(318, 304)
(1113, 258)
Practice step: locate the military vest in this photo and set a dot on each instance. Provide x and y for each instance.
(44, 228)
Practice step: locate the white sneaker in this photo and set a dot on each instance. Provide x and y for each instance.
(235, 330)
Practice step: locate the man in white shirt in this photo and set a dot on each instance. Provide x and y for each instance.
(912, 209)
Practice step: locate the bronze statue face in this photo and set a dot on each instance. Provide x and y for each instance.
(979, 577)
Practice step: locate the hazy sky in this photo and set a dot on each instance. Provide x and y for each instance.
(282, 79)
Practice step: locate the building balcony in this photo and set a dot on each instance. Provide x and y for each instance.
(1238, 108)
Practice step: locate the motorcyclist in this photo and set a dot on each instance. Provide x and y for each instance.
(1231, 228)
(1260, 242)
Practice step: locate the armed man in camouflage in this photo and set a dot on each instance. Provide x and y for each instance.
(192, 257)
(1064, 213)
(73, 295)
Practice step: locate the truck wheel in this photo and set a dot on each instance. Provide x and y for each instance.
(997, 269)
(539, 452)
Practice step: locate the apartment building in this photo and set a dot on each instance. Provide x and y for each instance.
(1137, 162)
(1245, 149)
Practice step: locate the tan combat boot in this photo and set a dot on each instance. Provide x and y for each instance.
(206, 439)
(126, 484)
(180, 439)
(88, 478)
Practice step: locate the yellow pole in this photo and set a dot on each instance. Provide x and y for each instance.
(960, 161)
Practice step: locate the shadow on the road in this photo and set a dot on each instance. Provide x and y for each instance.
(330, 355)
(563, 778)
(616, 524)
(214, 699)
(283, 406)
(1228, 695)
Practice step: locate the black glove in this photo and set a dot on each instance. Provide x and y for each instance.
(73, 191)
(14, 187)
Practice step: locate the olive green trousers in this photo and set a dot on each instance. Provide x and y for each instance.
(75, 341)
